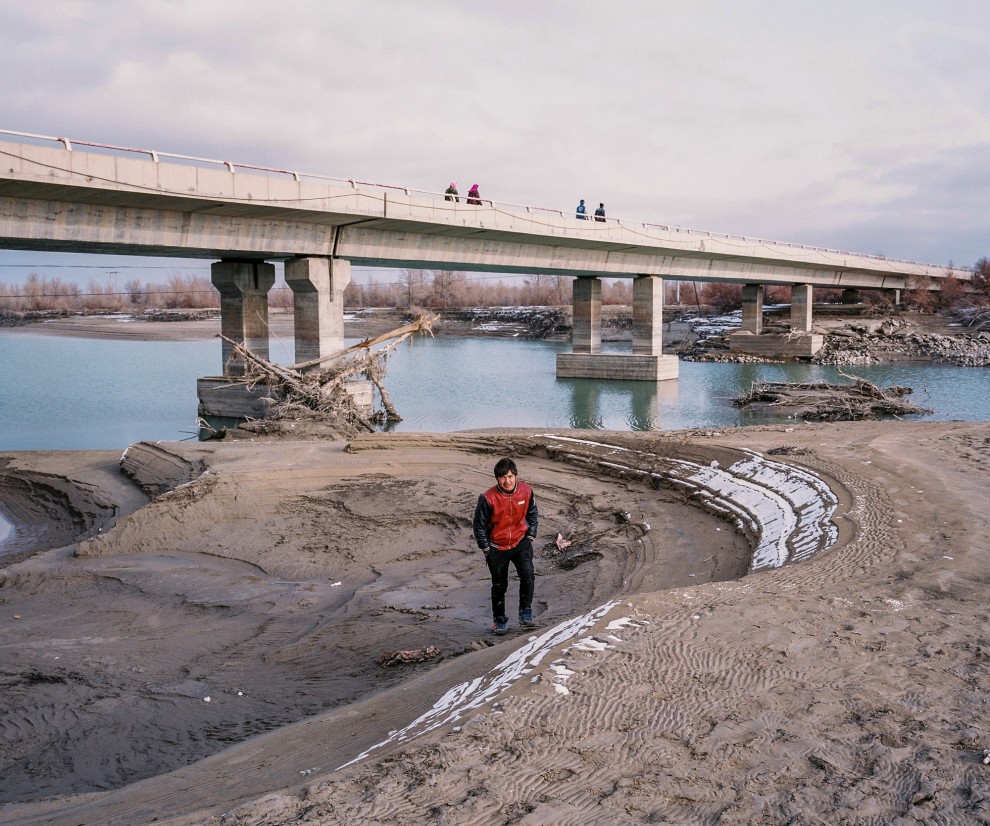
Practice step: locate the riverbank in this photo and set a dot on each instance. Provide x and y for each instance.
(545, 323)
(212, 656)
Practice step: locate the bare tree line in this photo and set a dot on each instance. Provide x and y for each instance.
(447, 289)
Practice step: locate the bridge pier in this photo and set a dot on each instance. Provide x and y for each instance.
(646, 362)
(799, 343)
(752, 308)
(318, 304)
(243, 288)
(801, 308)
(318, 285)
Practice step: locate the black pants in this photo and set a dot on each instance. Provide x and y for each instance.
(498, 564)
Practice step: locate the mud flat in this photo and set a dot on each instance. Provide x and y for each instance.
(769, 624)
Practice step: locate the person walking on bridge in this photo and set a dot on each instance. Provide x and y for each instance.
(581, 213)
(600, 213)
(450, 194)
(474, 197)
(505, 521)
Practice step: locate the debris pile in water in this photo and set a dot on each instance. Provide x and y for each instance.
(823, 401)
(318, 388)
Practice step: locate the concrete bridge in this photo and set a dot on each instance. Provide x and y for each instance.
(60, 195)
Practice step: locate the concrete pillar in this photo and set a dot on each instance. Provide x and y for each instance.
(752, 308)
(318, 304)
(895, 296)
(647, 329)
(850, 296)
(801, 308)
(586, 326)
(243, 288)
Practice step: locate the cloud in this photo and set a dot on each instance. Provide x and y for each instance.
(766, 118)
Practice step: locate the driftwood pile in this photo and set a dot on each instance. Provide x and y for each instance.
(311, 390)
(977, 320)
(823, 401)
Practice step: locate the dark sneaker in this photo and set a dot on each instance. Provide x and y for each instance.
(500, 626)
(526, 618)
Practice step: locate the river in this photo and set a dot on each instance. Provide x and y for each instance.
(70, 393)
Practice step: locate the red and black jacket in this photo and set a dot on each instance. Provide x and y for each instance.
(502, 520)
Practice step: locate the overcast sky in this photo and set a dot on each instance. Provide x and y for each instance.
(850, 124)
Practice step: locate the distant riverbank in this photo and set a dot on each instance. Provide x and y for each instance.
(854, 334)
(544, 323)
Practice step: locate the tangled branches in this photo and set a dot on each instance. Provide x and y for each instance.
(309, 389)
(822, 401)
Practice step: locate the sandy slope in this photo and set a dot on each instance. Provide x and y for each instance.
(660, 687)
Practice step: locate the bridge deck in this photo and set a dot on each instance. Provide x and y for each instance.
(75, 201)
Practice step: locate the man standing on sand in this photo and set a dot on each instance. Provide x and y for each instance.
(504, 527)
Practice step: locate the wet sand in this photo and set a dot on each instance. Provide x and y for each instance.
(201, 642)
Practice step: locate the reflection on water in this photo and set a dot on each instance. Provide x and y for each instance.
(592, 402)
(62, 393)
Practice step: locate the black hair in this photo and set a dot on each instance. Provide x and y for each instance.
(505, 466)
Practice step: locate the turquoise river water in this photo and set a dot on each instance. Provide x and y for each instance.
(70, 393)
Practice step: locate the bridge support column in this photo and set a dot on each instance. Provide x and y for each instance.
(800, 343)
(752, 308)
(646, 362)
(801, 308)
(318, 303)
(586, 325)
(243, 288)
(647, 329)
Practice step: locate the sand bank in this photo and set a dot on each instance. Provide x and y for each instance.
(209, 653)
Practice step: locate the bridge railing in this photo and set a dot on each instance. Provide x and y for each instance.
(590, 220)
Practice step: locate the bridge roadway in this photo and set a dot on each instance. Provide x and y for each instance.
(122, 201)
(76, 201)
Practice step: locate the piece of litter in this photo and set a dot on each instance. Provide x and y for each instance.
(334, 584)
(206, 699)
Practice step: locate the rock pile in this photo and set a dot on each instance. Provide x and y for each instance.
(861, 341)
(895, 340)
